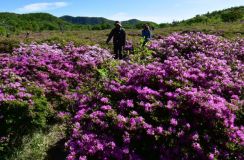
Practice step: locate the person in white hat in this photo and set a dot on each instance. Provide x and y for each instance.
(119, 39)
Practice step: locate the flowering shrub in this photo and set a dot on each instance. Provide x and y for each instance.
(59, 72)
(188, 104)
(23, 108)
(186, 45)
(182, 99)
(56, 70)
(129, 47)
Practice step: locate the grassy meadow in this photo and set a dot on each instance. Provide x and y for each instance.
(94, 37)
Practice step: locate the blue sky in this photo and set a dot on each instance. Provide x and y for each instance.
(152, 10)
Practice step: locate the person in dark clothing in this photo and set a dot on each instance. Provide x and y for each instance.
(146, 34)
(27, 34)
(119, 39)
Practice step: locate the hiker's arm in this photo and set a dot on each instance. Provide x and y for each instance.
(111, 34)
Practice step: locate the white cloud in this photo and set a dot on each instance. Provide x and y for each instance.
(122, 16)
(35, 7)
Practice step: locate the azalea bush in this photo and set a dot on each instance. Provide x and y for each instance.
(24, 108)
(187, 104)
(179, 98)
(39, 80)
(57, 70)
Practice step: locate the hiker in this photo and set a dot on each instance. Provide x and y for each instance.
(119, 39)
(27, 34)
(146, 34)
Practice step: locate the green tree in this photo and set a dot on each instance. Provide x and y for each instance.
(231, 16)
(2, 31)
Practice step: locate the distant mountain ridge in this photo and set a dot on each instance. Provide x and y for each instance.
(12, 22)
(101, 20)
(226, 15)
(86, 20)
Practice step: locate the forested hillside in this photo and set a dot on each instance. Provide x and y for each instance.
(36, 22)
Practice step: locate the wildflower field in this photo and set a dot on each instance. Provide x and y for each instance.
(180, 97)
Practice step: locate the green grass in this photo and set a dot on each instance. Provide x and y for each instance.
(39, 145)
(87, 37)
